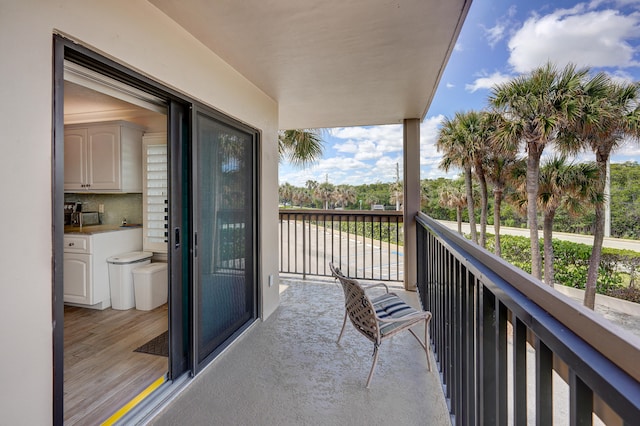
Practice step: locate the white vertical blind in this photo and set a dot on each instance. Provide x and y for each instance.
(155, 199)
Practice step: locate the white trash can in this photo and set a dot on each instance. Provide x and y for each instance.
(151, 286)
(121, 277)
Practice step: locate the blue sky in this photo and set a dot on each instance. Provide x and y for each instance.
(499, 40)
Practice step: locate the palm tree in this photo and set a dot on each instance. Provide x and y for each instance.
(610, 115)
(285, 191)
(561, 184)
(344, 194)
(396, 194)
(499, 168)
(324, 193)
(452, 143)
(536, 107)
(301, 147)
(453, 197)
(300, 196)
(567, 184)
(480, 129)
(424, 195)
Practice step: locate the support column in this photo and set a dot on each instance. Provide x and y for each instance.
(411, 180)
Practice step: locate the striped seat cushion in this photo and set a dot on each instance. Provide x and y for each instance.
(391, 306)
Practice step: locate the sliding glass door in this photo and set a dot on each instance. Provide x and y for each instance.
(224, 296)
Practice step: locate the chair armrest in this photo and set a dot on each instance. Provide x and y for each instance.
(367, 287)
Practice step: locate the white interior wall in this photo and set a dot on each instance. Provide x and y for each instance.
(139, 36)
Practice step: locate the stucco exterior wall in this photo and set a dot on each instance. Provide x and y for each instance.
(133, 33)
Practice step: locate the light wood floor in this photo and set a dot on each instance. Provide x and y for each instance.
(101, 371)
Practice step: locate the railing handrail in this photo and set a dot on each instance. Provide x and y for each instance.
(599, 354)
(615, 343)
(367, 244)
(343, 213)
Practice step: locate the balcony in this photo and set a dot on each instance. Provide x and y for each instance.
(508, 350)
(289, 370)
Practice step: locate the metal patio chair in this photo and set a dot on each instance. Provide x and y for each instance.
(381, 317)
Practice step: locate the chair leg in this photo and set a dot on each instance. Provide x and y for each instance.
(344, 323)
(373, 366)
(425, 344)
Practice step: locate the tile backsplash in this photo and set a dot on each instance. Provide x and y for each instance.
(116, 206)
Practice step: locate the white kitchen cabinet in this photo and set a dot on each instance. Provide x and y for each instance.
(85, 267)
(103, 157)
(78, 278)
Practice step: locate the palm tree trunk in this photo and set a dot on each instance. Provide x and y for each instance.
(548, 248)
(533, 174)
(472, 215)
(497, 197)
(598, 235)
(484, 208)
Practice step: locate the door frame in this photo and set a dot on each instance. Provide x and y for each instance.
(178, 141)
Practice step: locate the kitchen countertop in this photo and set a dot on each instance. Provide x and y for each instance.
(97, 229)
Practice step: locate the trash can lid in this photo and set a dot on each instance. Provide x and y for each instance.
(131, 257)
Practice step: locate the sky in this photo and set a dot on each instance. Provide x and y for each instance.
(499, 40)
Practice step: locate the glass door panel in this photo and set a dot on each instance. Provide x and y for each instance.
(225, 245)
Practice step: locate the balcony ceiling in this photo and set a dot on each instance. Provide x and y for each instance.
(331, 63)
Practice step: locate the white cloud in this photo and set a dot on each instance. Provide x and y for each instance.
(495, 33)
(499, 31)
(367, 143)
(349, 147)
(450, 85)
(586, 38)
(367, 150)
(486, 81)
(628, 148)
(621, 77)
(429, 156)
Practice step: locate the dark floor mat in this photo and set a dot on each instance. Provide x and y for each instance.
(159, 345)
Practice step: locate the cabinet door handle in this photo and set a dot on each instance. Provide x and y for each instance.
(72, 244)
(177, 238)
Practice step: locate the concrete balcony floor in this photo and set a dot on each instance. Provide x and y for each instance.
(289, 370)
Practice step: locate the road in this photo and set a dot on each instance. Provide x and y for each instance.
(618, 243)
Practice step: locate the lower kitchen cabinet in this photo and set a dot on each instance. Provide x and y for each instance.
(78, 277)
(85, 268)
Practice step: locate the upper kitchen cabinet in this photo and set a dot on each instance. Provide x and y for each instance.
(103, 157)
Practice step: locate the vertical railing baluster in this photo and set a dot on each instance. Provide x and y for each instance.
(544, 384)
(304, 247)
(501, 364)
(324, 244)
(488, 370)
(519, 372)
(295, 248)
(446, 289)
(397, 249)
(469, 330)
(580, 401)
(355, 245)
(456, 326)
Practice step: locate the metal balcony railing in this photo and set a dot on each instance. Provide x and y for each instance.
(366, 244)
(511, 350)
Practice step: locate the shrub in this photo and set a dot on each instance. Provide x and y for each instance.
(572, 264)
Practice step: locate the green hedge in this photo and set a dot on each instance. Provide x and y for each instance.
(618, 268)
